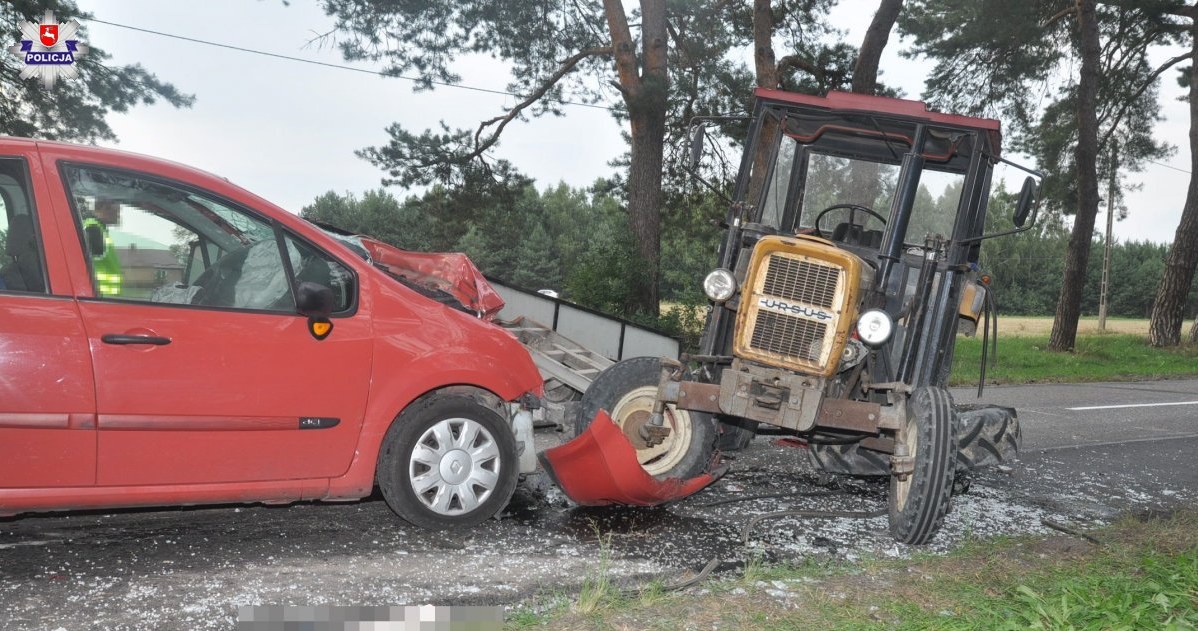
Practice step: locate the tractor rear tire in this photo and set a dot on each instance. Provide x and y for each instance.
(736, 433)
(848, 459)
(987, 435)
(626, 390)
(919, 503)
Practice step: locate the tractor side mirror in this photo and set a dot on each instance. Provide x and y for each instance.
(94, 235)
(1027, 200)
(697, 141)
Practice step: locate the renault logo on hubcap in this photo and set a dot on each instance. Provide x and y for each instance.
(455, 467)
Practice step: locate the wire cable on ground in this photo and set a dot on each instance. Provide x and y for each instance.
(764, 496)
(677, 587)
(1069, 530)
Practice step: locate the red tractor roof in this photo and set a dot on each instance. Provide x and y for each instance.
(902, 108)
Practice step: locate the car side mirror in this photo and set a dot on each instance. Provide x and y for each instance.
(94, 235)
(314, 300)
(1027, 200)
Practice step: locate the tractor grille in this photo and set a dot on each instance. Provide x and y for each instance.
(801, 281)
(793, 316)
(788, 335)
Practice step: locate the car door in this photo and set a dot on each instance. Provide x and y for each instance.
(47, 398)
(213, 378)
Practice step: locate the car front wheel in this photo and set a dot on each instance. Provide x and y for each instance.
(448, 462)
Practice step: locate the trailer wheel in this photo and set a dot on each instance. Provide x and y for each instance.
(448, 462)
(627, 390)
(919, 503)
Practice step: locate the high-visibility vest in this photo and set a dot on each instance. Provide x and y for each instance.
(108, 266)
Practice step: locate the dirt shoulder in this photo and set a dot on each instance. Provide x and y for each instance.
(1141, 572)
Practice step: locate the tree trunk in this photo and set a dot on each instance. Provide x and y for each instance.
(645, 88)
(1193, 336)
(644, 199)
(1164, 329)
(766, 70)
(764, 62)
(867, 176)
(865, 72)
(1064, 326)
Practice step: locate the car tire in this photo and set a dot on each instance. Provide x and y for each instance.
(626, 390)
(917, 505)
(448, 462)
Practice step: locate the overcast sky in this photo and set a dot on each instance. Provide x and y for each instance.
(287, 130)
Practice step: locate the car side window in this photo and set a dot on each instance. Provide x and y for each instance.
(22, 264)
(151, 240)
(312, 265)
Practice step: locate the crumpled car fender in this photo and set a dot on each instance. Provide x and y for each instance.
(599, 468)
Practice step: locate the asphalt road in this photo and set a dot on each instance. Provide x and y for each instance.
(1090, 453)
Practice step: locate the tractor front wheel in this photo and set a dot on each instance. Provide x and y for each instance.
(627, 391)
(920, 500)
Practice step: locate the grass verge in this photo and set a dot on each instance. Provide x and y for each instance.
(1144, 576)
(1107, 357)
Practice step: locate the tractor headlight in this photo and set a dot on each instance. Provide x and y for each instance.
(719, 285)
(875, 327)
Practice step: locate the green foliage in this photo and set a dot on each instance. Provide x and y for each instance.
(377, 214)
(1142, 590)
(1161, 596)
(1026, 272)
(1003, 57)
(424, 39)
(684, 320)
(987, 52)
(73, 109)
(690, 244)
(1095, 358)
(573, 241)
(605, 275)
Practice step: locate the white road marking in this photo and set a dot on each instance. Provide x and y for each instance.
(1034, 411)
(1132, 405)
(1114, 443)
(6, 546)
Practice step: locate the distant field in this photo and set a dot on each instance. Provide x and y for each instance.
(1038, 326)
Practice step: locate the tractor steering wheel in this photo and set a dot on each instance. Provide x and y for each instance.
(852, 208)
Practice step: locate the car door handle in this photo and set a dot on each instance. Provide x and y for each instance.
(116, 338)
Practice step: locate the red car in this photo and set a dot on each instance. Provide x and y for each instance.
(169, 338)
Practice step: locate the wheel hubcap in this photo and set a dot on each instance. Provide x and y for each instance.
(454, 466)
(632, 413)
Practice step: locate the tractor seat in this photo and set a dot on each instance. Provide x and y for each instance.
(855, 234)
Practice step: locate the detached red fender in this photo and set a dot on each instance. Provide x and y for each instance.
(599, 468)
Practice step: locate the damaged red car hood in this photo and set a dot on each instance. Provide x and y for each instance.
(451, 272)
(600, 468)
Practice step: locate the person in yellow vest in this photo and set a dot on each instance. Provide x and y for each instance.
(106, 265)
